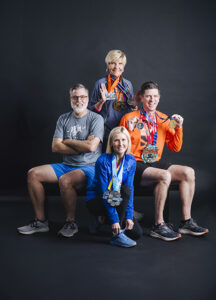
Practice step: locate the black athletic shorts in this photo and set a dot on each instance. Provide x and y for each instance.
(141, 166)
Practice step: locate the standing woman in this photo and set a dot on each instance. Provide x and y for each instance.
(112, 95)
(112, 189)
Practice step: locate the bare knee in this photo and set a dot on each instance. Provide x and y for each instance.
(65, 182)
(32, 175)
(189, 174)
(165, 177)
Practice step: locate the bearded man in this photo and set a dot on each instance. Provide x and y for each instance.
(78, 136)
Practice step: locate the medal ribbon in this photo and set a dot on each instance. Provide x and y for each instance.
(111, 86)
(117, 86)
(117, 174)
(152, 127)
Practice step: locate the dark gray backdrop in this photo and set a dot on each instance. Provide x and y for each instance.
(47, 46)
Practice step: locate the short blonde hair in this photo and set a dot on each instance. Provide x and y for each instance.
(114, 55)
(112, 134)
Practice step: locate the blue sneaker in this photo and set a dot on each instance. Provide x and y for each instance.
(122, 240)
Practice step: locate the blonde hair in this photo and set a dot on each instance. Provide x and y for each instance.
(114, 55)
(112, 134)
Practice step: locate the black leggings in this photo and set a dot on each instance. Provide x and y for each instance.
(97, 208)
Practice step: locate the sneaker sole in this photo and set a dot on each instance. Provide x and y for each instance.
(33, 231)
(187, 231)
(122, 246)
(156, 235)
(67, 235)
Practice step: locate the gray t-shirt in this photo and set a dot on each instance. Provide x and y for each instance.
(70, 127)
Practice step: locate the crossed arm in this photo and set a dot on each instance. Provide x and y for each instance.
(71, 147)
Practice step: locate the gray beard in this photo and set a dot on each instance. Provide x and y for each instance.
(78, 110)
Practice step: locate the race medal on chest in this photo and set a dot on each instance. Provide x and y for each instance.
(118, 105)
(140, 125)
(111, 96)
(172, 124)
(150, 154)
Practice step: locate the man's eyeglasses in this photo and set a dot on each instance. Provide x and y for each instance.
(82, 97)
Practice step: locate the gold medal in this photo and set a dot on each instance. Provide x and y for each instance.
(172, 124)
(118, 105)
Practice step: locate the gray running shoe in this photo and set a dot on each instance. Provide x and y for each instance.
(69, 229)
(191, 227)
(34, 226)
(165, 232)
(138, 215)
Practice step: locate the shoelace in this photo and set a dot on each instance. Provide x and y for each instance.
(170, 225)
(34, 223)
(69, 224)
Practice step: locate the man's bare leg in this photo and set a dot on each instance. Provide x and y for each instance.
(68, 184)
(162, 178)
(186, 177)
(36, 177)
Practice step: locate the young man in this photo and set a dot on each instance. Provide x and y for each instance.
(150, 130)
(78, 136)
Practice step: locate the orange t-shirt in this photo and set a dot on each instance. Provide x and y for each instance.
(172, 137)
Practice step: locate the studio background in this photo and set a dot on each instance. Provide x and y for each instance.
(47, 46)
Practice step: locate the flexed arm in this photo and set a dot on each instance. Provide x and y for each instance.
(174, 137)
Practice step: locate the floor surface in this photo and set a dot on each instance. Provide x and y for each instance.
(43, 266)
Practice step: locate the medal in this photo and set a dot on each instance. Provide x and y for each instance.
(111, 96)
(140, 125)
(114, 198)
(118, 105)
(150, 153)
(172, 124)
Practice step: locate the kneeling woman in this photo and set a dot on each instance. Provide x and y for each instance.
(112, 188)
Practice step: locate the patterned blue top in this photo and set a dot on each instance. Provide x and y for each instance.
(111, 116)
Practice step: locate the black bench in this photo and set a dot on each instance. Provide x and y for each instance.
(53, 190)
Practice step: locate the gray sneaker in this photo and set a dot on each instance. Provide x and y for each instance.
(34, 226)
(165, 232)
(69, 229)
(191, 227)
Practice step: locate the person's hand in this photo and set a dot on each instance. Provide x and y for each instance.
(65, 141)
(132, 123)
(103, 91)
(179, 120)
(116, 228)
(129, 224)
(90, 137)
